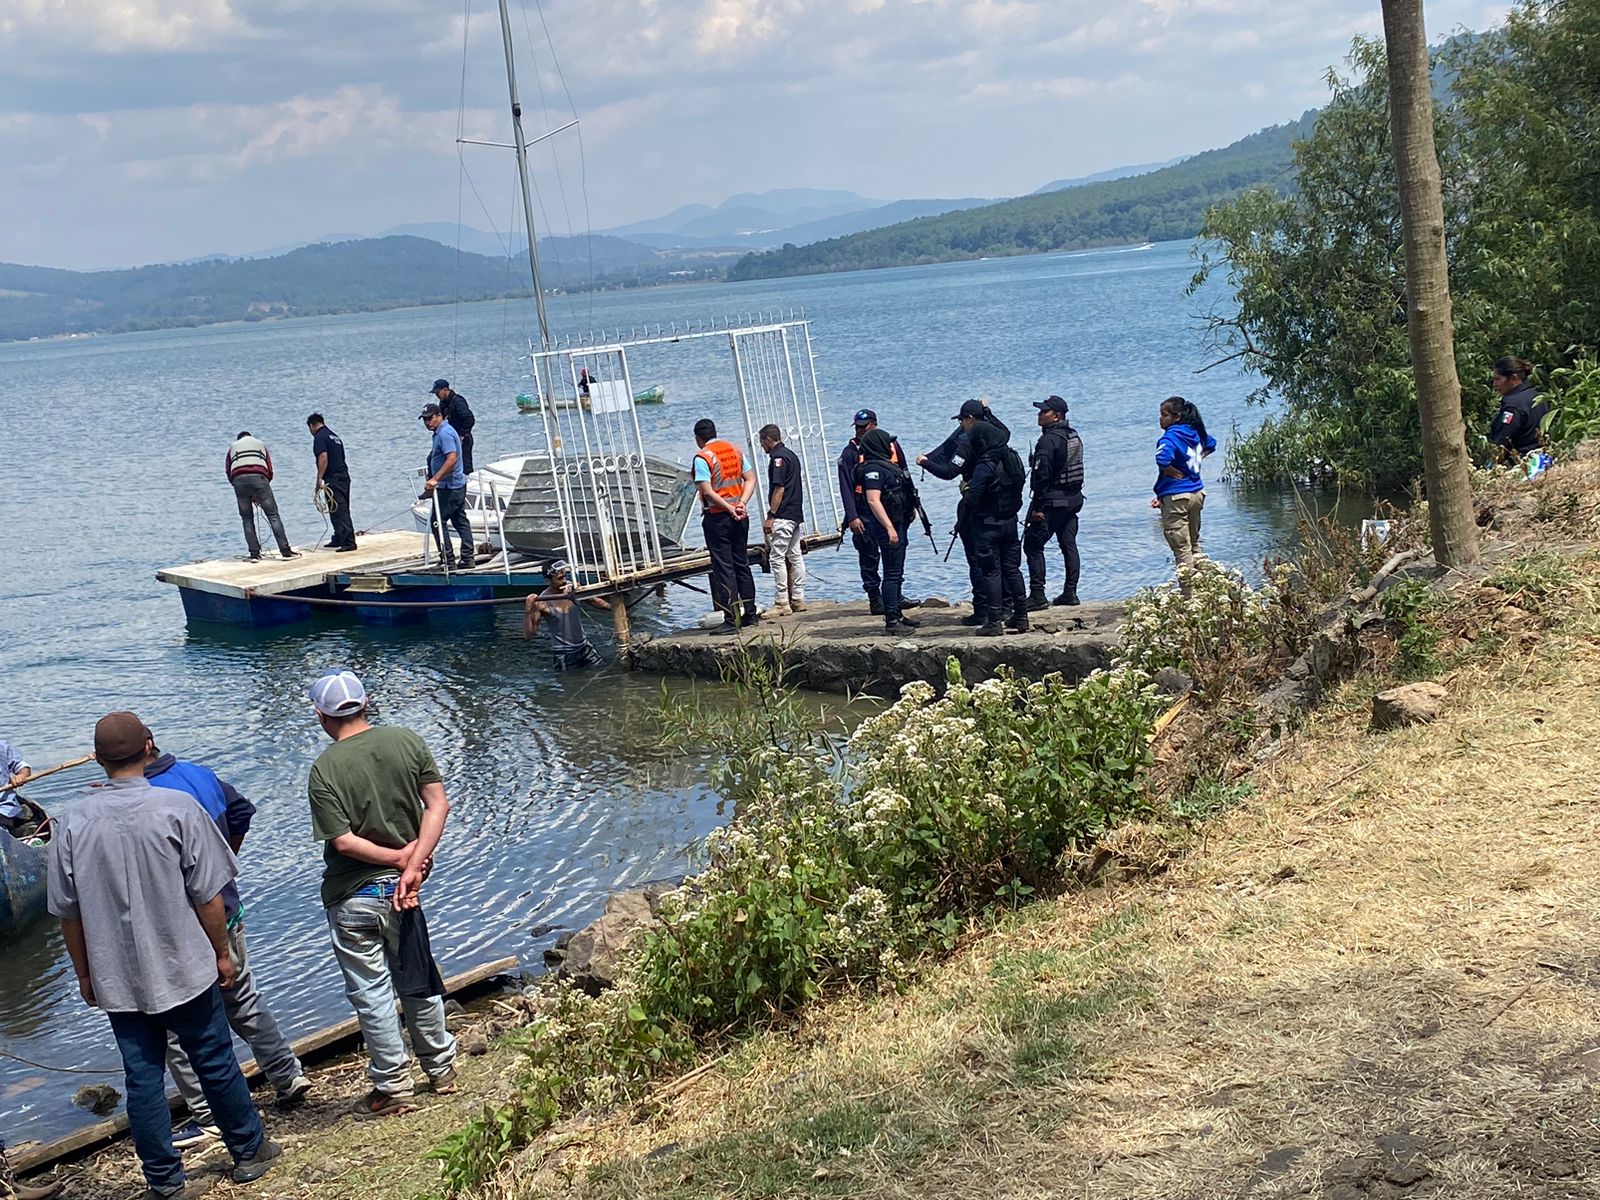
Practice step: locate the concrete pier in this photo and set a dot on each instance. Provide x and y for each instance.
(842, 647)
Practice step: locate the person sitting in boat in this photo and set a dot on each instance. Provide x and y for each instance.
(584, 380)
(556, 603)
(14, 810)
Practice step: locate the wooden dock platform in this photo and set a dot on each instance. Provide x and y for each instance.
(273, 576)
(843, 647)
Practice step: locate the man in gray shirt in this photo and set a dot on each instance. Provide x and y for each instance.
(136, 876)
(572, 651)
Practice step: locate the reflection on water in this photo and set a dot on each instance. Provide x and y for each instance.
(559, 794)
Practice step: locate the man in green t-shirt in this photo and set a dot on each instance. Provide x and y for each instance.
(378, 806)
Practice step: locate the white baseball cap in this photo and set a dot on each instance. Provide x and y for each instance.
(339, 694)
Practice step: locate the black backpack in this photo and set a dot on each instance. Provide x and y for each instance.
(1010, 476)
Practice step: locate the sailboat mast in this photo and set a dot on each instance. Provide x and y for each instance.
(522, 179)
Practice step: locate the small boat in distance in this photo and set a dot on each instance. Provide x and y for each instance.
(655, 394)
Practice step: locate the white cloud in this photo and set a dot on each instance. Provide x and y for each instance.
(116, 26)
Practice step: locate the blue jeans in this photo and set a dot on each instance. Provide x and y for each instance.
(892, 559)
(202, 1030)
(366, 943)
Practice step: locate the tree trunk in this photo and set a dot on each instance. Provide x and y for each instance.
(1428, 325)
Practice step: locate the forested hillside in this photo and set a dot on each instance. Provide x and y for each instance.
(356, 276)
(1160, 206)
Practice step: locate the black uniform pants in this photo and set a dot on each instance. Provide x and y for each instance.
(731, 581)
(867, 555)
(466, 453)
(998, 559)
(1058, 523)
(344, 527)
(893, 557)
(974, 575)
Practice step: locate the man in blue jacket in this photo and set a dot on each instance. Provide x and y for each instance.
(247, 1011)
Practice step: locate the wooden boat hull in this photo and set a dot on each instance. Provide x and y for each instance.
(22, 883)
(532, 519)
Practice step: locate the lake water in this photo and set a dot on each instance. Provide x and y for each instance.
(116, 470)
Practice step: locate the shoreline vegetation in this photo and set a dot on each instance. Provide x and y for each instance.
(1167, 929)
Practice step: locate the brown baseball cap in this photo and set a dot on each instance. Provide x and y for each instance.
(119, 736)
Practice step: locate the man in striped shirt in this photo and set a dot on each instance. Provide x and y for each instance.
(249, 468)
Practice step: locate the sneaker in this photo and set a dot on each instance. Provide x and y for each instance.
(381, 1104)
(725, 628)
(251, 558)
(290, 553)
(330, 545)
(444, 1085)
(992, 629)
(466, 564)
(875, 605)
(21, 1191)
(1066, 598)
(297, 1090)
(248, 1170)
(184, 1191)
(193, 1133)
(798, 606)
(1037, 600)
(752, 619)
(344, 549)
(904, 603)
(903, 624)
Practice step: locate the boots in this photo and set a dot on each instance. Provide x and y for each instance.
(1067, 597)
(977, 617)
(992, 629)
(1018, 622)
(797, 605)
(1037, 598)
(875, 604)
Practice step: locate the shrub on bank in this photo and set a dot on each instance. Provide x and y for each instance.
(846, 860)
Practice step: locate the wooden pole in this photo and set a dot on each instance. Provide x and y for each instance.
(38, 775)
(619, 621)
(1428, 318)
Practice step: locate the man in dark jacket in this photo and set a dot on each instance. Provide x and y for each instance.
(246, 1009)
(994, 498)
(856, 517)
(333, 473)
(1056, 480)
(1516, 428)
(454, 406)
(953, 459)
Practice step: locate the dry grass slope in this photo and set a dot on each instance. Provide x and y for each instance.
(1378, 976)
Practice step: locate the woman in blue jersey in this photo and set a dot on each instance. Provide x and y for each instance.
(1180, 492)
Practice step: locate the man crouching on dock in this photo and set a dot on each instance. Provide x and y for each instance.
(378, 806)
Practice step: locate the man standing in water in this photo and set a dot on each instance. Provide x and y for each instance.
(555, 604)
(378, 807)
(334, 474)
(136, 875)
(249, 469)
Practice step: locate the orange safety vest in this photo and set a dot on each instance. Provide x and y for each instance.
(894, 460)
(727, 470)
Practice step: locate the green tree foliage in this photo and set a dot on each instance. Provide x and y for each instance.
(1318, 276)
(1160, 206)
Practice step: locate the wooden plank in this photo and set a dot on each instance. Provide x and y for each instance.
(322, 1044)
(273, 575)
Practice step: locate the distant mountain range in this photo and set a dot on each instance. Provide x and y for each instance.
(1136, 205)
(804, 230)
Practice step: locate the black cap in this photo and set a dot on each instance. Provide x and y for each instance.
(430, 410)
(866, 416)
(1053, 403)
(970, 408)
(437, 384)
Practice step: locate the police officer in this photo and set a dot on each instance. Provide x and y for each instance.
(1516, 429)
(887, 503)
(454, 406)
(726, 483)
(1056, 480)
(856, 519)
(953, 459)
(333, 473)
(994, 498)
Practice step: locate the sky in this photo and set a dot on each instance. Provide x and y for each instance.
(140, 131)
